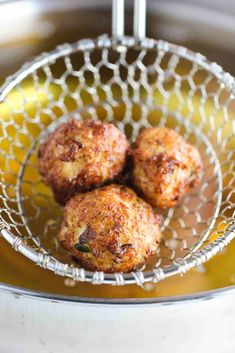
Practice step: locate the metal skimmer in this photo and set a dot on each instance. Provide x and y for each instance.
(135, 82)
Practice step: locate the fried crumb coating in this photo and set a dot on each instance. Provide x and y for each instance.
(166, 167)
(110, 229)
(80, 155)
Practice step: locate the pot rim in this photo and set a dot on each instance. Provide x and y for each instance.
(168, 300)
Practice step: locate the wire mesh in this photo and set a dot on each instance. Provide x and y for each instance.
(133, 85)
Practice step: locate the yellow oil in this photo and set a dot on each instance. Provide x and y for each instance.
(17, 270)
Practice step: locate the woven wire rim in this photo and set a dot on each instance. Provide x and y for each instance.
(179, 266)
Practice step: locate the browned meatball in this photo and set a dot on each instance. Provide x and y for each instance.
(110, 229)
(165, 166)
(80, 155)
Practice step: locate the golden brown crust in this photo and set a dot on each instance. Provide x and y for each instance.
(165, 166)
(80, 155)
(110, 229)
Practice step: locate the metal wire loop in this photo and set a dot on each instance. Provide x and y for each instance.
(148, 83)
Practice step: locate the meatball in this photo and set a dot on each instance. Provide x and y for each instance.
(165, 166)
(80, 155)
(109, 229)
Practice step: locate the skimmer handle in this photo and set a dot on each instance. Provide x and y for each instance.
(139, 22)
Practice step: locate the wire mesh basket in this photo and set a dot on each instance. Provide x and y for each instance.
(134, 84)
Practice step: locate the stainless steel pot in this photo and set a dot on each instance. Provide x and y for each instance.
(34, 321)
(58, 321)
